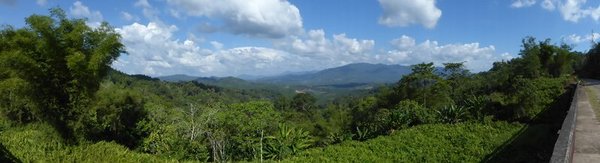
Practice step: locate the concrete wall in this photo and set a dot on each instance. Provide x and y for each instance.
(563, 148)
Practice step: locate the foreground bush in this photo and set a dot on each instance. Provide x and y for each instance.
(41, 143)
(462, 142)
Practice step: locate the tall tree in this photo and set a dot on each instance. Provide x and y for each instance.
(423, 85)
(62, 59)
(591, 67)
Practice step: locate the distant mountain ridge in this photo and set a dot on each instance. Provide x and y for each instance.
(177, 78)
(351, 73)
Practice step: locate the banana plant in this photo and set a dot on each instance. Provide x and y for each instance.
(287, 141)
(452, 114)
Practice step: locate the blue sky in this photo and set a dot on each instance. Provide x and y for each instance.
(268, 37)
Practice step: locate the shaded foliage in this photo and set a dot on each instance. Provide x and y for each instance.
(63, 60)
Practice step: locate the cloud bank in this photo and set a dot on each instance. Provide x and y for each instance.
(402, 13)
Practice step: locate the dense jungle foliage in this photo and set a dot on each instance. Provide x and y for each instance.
(62, 102)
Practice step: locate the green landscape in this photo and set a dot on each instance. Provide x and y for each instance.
(62, 101)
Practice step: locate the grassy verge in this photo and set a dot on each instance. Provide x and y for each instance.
(465, 142)
(594, 100)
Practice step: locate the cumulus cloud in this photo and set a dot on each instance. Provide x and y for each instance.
(575, 39)
(340, 48)
(352, 45)
(522, 3)
(258, 18)
(79, 10)
(154, 51)
(314, 42)
(403, 42)
(571, 10)
(401, 13)
(408, 52)
(148, 10)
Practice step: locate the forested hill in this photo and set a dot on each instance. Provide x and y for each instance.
(356, 73)
(177, 78)
(351, 73)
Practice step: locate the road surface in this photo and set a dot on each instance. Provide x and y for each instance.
(587, 130)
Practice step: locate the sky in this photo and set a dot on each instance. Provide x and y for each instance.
(270, 37)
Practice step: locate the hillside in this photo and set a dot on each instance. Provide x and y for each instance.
(351, 75)
(177, 78)
(356, 73)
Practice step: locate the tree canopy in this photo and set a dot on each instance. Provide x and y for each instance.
(57, 64)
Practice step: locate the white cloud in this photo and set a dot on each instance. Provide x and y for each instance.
(154, 51)
(352, 45)
(522, 3)
(128, 17)
(41, 2)
(571, 10)
(147, 10)
(407, 52)
(578, 39)
(403, 42)
(548, 5)
(314, 44)
(217, 45)
(407, 12)
(259, 18)
(79, 10)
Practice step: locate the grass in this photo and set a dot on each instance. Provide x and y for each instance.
(41, 143)
(594, 100)
(465, 142)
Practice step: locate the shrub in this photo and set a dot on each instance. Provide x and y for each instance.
(286, 142)
(462, 142)
(535, 95)
(40, 142)
(114, 116)
(410, 113)
(452, 114)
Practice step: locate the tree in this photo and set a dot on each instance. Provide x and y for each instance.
(529, 65)
(591, 67)
(63, 60)
(455, 70)
(424, 86)
(458, 78)
(243, 124)
(304, 101)
(114, 116)
(544, 59)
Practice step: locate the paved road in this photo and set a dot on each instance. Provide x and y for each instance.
(587, 130)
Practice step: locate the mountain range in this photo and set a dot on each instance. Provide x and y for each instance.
(351, 74)
(356, 73)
